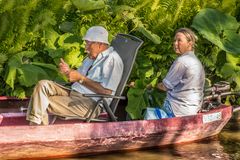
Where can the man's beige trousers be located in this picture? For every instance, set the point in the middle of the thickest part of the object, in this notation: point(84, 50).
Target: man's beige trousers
point(48, 96)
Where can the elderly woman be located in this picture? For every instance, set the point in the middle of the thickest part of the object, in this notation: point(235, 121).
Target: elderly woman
point(184, 82)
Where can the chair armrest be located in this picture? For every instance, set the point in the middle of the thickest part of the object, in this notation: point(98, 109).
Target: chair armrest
point(104, 96)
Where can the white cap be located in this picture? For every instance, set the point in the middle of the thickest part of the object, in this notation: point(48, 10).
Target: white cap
point(97, 34)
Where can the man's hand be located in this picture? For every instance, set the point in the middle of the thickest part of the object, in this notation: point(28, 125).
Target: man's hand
point(64, 67)
point(74, 76)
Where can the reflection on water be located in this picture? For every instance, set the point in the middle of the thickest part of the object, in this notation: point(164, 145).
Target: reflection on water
point(225, 147)
point(230, 137)
point(230, 140)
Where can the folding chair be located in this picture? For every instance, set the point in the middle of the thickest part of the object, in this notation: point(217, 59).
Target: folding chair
point(127, 47)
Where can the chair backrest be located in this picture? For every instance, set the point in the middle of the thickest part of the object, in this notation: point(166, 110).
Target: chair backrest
point(127, 47)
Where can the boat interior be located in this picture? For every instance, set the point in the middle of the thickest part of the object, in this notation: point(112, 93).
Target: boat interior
point(13, 112)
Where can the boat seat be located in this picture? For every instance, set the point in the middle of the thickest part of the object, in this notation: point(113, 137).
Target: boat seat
point(127, 47)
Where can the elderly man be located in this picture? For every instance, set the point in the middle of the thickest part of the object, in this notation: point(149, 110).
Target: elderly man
point(100, 73)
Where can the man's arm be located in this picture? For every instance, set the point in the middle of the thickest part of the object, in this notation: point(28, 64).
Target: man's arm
point(75, 76)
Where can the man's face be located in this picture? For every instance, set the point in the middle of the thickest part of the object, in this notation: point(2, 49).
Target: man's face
point(92, 49)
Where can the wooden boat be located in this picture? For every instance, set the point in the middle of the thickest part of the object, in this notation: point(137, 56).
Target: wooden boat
point(76, 138)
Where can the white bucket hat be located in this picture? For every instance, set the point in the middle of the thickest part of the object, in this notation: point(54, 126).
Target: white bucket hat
point(97, 34)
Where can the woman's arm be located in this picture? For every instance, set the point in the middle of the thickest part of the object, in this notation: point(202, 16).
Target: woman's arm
point(161, 86)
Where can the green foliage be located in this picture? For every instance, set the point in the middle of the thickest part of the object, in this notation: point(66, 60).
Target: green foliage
point(231, 70)
point(229, 6)
point(19, 92)
point(221, 32)
point(70, 45)
point(3, 59)
point(21, 70)
point(141, 98)
point(88, 5)
point(153, 37)
point(128, 14)
point(135, 103)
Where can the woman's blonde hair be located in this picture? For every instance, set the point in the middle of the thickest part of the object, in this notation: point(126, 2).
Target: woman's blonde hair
point(190, 35)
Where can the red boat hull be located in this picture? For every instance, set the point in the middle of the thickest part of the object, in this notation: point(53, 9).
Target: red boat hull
point(68, 138)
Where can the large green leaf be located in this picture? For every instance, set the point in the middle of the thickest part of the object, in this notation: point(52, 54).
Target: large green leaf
point(19, 92)
point(145, 68)
point(153, 37)
point(20, 58)
point(228, 70)
point(56, 54)
point(74, 58)
point(218, 28)
point(68, 40)
point(28, 74)
point(237, 80)
point(15, 62)
point(11, 76)
point(235, 60)
point(139, 99)
point(44, 65)
point(21, 69)
point(136, 103)
point(234, 77)
point(51, 37)
point(231, 69)
point(50, 69)
point(67, 27)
